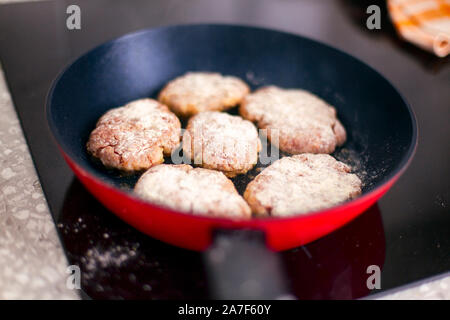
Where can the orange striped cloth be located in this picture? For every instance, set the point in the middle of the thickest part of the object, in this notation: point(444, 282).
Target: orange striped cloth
point(425, 23)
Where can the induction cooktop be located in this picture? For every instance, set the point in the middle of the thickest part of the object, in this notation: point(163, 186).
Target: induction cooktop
point(406, 234)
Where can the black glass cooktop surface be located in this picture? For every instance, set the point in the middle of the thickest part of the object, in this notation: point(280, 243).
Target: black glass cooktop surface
point(407, 233)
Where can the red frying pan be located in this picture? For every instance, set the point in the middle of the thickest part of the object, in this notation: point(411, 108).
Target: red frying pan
point(382, 132)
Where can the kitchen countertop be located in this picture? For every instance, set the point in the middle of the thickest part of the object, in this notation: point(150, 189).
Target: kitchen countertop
point(32, 262)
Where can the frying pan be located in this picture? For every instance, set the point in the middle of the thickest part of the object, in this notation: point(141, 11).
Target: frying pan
point(381, 127)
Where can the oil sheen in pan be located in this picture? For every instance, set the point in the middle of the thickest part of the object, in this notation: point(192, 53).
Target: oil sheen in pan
point(353, 153)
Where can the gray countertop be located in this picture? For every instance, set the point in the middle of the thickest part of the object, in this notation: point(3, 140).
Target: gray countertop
point(32, 262)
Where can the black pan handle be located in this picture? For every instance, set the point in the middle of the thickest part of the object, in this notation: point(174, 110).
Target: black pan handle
point(239, 266)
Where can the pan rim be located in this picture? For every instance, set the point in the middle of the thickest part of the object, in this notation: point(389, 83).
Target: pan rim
point(392, 176)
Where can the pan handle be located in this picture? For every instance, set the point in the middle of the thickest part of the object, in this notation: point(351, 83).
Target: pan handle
point(240, 267)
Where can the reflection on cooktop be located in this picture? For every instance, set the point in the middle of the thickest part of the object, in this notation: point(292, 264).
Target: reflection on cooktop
point(119, 262)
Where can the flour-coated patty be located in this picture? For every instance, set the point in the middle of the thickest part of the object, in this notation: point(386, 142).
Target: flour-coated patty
point(197, 92)
point(136, 136)
point(301, 184)
point(192, 190)
point(299, 120)
point(219, 141)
